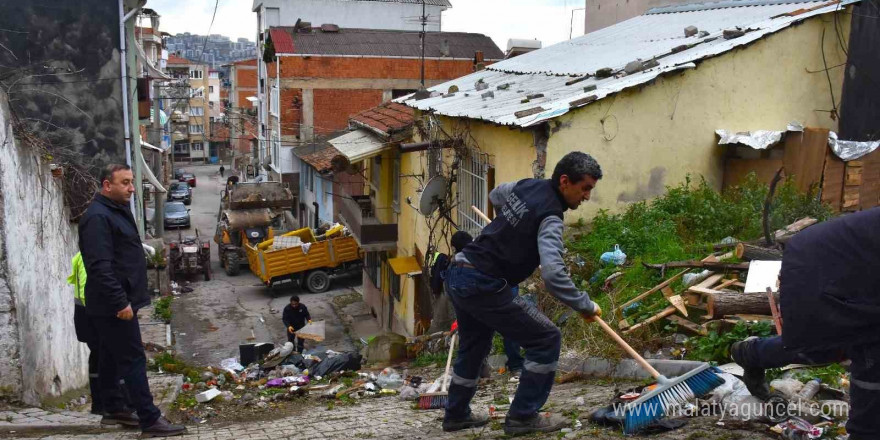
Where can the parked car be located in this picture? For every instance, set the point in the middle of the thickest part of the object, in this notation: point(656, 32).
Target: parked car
point(176, 215)
point(179, 172)
point(180, 191)
point(189, 178)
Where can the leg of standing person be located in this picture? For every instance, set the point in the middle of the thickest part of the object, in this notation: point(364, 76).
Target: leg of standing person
point(121, 343)
point(515, 359)
point(300, 344)
point(863, 423)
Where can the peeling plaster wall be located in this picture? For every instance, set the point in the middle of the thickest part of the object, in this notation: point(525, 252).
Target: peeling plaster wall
point(36, 303)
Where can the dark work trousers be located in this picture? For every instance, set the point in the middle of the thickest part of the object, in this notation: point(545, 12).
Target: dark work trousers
point(86, 333)
point(485, 305)
point(298, 343)
point(863, 422)
point(120, 344)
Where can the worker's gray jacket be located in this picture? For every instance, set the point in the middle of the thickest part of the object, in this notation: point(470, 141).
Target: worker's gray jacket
point(527, 232)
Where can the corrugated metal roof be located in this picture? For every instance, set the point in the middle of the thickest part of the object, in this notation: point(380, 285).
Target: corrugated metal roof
point(358, 145)
point(427, 2)
point(382, 43)
point(547, 83)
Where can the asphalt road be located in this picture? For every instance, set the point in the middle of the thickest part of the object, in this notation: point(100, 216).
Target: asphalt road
point(210, 322)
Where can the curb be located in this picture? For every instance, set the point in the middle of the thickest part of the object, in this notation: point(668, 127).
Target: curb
point(625, 368)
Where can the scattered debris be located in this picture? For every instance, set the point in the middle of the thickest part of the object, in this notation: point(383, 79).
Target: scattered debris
point(690, 31)
point(730, 34)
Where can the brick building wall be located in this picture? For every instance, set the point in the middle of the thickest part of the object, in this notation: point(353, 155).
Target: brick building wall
point(291, 101)
point(387, 68)
point(334, 106)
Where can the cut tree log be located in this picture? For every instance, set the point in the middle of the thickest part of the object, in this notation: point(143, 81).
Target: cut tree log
point(721, 303)
point(699, 264)
point(749, 252)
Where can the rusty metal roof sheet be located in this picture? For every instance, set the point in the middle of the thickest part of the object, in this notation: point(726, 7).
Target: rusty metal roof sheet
point(382, 43)
point(547, 83)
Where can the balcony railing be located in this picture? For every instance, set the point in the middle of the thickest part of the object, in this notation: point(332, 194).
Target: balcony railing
point(359, 215)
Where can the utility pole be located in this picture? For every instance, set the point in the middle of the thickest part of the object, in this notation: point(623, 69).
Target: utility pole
point(424, 19)
point(156, 139)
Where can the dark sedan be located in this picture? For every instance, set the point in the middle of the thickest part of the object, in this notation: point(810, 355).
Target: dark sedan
point(176, 215)
point(180, 191)
point(189, 178)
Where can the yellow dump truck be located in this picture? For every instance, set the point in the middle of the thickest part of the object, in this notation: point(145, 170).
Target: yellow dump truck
point(301, 257)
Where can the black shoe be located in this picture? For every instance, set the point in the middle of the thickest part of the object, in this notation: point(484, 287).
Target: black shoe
point(163, 428)
point(120, 418)
point(538, 423)
point(471, 421)
point(485, 371)
point(752, 377)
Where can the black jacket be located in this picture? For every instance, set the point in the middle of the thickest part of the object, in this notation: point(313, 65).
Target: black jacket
point(114, 258)
point(297, 317)
point(830, 283)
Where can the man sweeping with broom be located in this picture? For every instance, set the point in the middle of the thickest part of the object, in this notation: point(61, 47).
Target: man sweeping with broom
point(526, 233)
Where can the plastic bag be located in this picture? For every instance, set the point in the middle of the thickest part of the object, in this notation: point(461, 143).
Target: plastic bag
point(231, 365)
point(615, 257)
point(390, 378)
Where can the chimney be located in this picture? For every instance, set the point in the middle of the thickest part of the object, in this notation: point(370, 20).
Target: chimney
point(444, 48)
point(478, 61)
point(329, 28)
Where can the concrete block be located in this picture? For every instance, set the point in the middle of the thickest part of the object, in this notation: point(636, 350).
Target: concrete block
point(633, 67)
point(690, 31)
point(730, 34)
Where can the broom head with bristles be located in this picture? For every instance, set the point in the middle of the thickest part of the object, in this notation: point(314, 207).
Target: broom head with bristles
point(669, 395)
point(436, 400)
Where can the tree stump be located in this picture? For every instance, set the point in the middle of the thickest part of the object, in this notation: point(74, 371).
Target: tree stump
point(724, 303)
point(749, 252)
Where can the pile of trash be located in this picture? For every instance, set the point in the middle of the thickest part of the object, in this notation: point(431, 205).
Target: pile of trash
point(275, 374)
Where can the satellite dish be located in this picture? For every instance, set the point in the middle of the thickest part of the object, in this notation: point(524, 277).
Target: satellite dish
point(432, 195)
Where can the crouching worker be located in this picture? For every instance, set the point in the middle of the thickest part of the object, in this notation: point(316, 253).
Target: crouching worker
point(830, 295)
point(526, 233)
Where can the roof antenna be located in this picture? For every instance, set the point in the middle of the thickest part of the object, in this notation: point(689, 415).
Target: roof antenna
point(424, 19)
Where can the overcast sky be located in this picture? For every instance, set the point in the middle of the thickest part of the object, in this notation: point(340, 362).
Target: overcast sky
point(546, 20)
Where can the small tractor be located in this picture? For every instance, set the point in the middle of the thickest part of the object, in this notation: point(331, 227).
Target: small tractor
point(189, 255)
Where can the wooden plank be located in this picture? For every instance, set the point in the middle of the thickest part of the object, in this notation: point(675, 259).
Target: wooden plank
point(623, 324)
point(667, 291)
point(804, 157)
point(850, 198)
point(726, 283)
point(678, 303)
point(710, 281)
point(666, 312)
point(853, 176)
point(832, 182)
point(654, 289)
point(688, 325)
point(869, 196)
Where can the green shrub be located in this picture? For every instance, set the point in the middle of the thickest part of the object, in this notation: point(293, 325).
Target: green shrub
point(715, 347)
point(162, 309)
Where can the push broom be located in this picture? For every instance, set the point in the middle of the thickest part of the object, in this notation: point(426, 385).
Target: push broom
point(669, 393)
point(441, 398)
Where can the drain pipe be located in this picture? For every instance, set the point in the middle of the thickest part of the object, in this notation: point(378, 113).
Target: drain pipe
point(123, 58)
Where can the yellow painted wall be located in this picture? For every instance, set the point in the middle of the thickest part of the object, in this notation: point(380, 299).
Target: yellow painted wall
point(655, 136)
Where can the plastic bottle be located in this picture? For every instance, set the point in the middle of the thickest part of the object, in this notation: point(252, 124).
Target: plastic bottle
point(810, 389)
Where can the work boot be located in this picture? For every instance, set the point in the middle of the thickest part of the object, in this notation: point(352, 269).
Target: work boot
point(163, 428)
point(752, 377)
point(541, 422)
point(123, 418)
point(471, 421)
point(514, 376)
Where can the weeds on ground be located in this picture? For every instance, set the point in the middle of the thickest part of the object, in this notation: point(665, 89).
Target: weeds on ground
point(169, 363)
point(430, 359)
point(681, 225)
point(162, 309)
point(715, 347)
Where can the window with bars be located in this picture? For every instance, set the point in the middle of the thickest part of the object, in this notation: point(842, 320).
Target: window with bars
point(473, 190)
point(196, 129)
point(195, 74)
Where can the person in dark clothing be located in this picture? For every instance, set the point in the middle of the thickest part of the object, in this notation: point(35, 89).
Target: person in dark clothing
point(222, 170)
point(116, 289)
point(830, 305)
point(526, 234)
point(295, 316)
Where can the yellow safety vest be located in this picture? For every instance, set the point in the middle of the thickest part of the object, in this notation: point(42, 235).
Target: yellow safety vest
point(78, 279)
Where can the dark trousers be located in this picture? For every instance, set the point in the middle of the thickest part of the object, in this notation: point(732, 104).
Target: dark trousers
point(122, 349)
point(485, 305)
point(513, 351)
point(298, 343)
point(863, 422)
point(88, 334)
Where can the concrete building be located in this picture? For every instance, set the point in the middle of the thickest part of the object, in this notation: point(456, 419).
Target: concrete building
point(241, 114)
point(649, 123)
point(604, 13)
point(319, 77)
point(191, 111)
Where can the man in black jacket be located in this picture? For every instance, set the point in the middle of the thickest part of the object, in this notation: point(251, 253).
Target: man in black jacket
point(295, 316)
point(116, 289)
point(830, 302)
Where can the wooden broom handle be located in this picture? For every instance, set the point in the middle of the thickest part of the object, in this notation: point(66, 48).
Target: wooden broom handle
point(480, 213)
point(638, 358)
point(448, 379)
